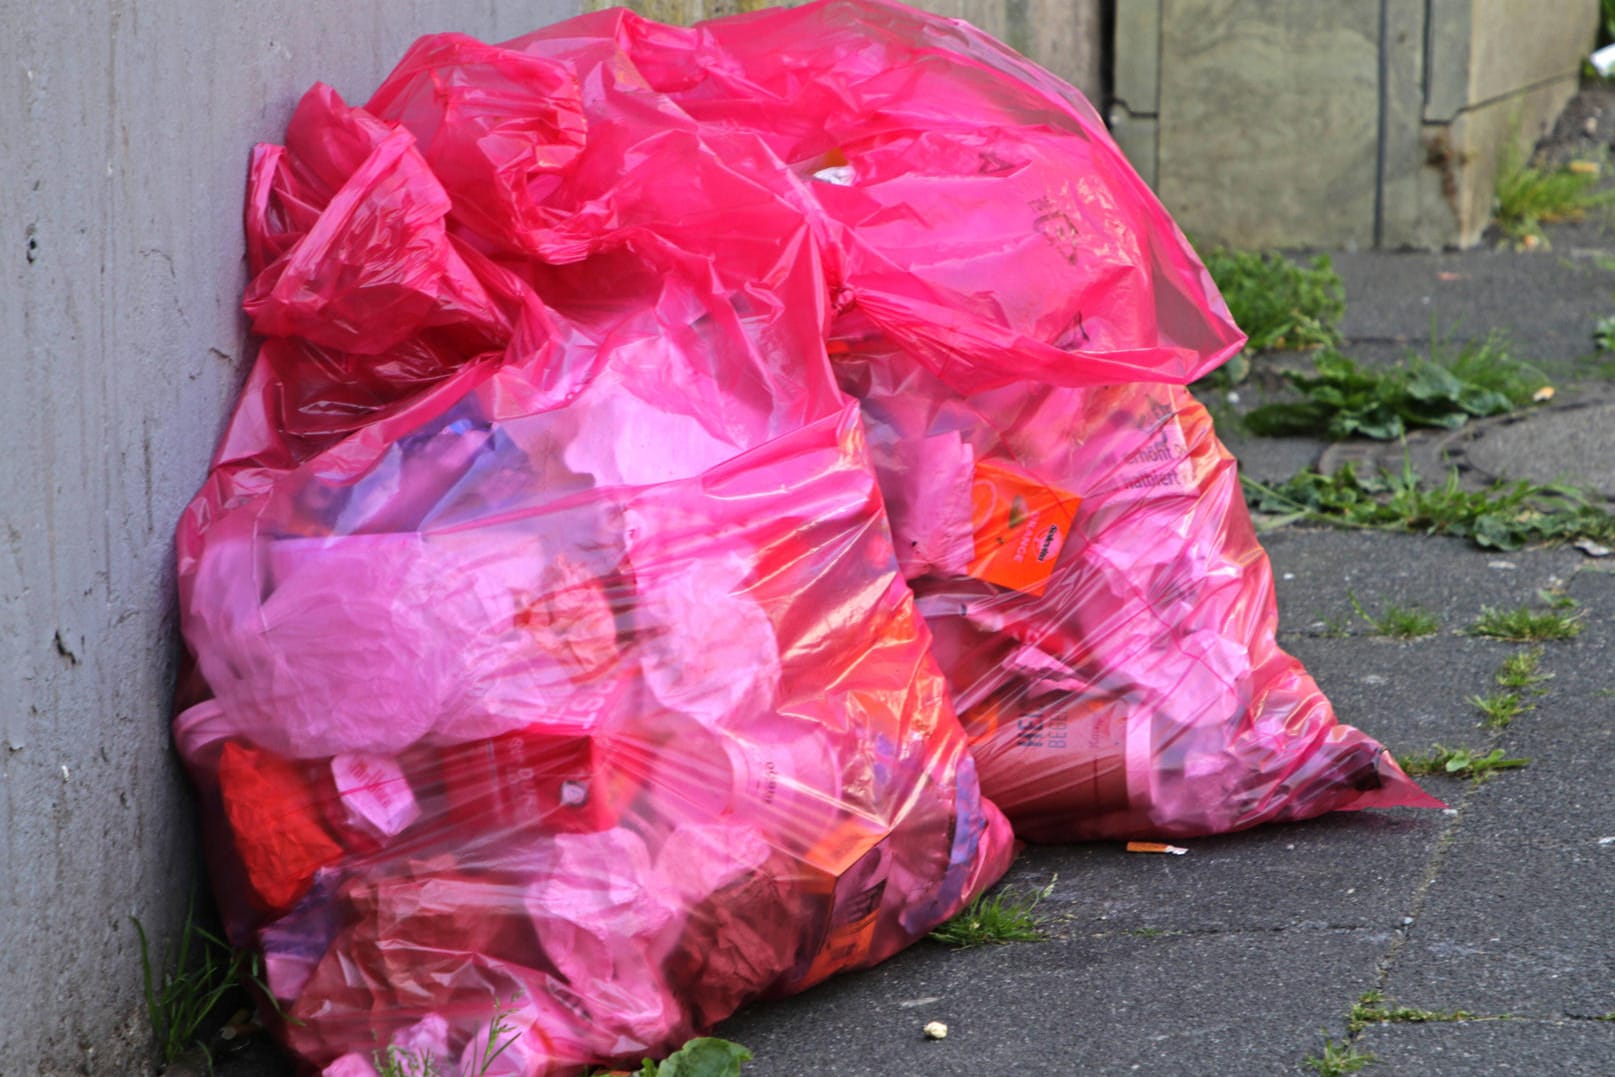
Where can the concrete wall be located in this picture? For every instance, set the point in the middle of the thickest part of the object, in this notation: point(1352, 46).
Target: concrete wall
point(1269, 123)
point(124, 134)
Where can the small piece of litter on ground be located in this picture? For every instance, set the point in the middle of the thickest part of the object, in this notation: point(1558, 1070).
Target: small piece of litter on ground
point(1451, 276)
point(1607, 841)
point(1289, 575)
point(1544, 393)
point(1505, 565)
point(910, 1003)
point(1593, 549)
point(1155, 847)
point(1583, 168)
point(936, 1030)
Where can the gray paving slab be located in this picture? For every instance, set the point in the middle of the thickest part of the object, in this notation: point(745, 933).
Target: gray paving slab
point(1513, 924)
point(1350, 870)
point(1317, 570)
point(1546, 300)
point(1519, 919)
point(1516, 1048)
point(1272, 460)
point(1248, 1003)
point(1567, 445)
point(1408, 696)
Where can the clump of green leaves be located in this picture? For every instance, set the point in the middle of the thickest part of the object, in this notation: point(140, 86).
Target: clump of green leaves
point(1398, 622)
point(1338, 1059)
point(1505, 516)
point(1007, 915)
point(1525, 625)
point(1459, 762)
point(1445, 389)
point(1530, 195)
point(1277, 303)
point(186, 984)
point(706, 1056)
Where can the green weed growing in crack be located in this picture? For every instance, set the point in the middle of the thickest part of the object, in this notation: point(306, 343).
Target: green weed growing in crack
point(1530, 195)
point(1505, 516)
point(1499, 709)
point(1458, 762)
point(1339, 1058)
point(184, 986)
point(1371, 1009)
point(1525, 625)
point(1398, 622)
point(1522, 672)
point(1006, 916)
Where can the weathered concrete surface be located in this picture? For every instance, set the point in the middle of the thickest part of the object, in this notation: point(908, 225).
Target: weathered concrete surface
point(124, 134)
point(1486, 50)
point(1268, 116)
point(1061, 35)
point(1263, 123)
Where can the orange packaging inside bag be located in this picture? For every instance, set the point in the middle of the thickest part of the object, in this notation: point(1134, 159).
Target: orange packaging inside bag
point(1020, 527)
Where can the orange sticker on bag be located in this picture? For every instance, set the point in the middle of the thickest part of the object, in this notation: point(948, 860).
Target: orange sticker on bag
point(1020, 527)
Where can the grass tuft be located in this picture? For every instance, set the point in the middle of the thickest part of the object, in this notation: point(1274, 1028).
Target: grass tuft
point(1338, 1059)
point(184, 986)
point(1370, 1009)
point(1398, 622)
point(1005, 916)
point(1529, 196)
point(1525, 625)
point(1499, 709)
point(1523, 672)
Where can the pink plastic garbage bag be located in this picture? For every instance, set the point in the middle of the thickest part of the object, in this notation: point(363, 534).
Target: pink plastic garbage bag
point(558, 681)
point(1009, 299)
point(1108, 628)
point(974, 206)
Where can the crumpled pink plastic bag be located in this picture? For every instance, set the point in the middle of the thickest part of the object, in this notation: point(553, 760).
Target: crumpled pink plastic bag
point(558, 680)
point(1010, 299)
point(973, 205)
point(1135, 689)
